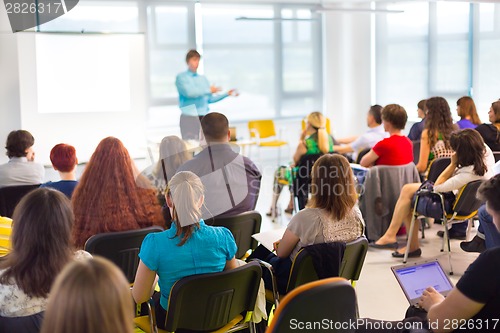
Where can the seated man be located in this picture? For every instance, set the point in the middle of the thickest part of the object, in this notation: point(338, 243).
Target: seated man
point(374, 134)
point(21, 168)
point(64, 161)
point(231, 181)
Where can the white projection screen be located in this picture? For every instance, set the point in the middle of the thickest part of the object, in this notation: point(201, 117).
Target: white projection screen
point(80, 88)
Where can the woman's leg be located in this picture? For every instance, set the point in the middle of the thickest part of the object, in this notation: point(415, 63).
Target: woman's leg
point(402, 213)
point(277, 188)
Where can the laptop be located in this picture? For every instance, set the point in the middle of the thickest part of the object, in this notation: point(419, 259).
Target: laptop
point(232, 134)
point(414, 278)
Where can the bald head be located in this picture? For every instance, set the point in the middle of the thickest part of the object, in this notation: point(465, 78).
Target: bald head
point(215, 127)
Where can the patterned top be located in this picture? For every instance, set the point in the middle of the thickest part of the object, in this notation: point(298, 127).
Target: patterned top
point(314, 226)
point(15, 303)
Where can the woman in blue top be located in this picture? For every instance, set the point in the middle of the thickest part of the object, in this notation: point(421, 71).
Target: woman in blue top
point(189, 247)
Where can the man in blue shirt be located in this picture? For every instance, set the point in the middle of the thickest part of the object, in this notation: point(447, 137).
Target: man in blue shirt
point(195, 93)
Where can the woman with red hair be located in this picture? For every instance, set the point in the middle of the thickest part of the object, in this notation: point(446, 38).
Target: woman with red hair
point(109, 197)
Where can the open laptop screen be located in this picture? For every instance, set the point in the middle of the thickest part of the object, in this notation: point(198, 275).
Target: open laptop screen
point(415, 278)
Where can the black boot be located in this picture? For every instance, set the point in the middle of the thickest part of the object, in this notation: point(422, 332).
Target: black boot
point(477, 244)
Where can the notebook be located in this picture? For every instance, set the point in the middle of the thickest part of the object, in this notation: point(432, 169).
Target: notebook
point(414, 278)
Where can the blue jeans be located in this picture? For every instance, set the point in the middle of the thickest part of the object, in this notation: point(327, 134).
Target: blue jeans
point(487, 228)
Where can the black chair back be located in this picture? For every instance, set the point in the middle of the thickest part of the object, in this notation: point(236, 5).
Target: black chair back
point(354, 258)
point(207, 302)
point(302, 270)
point(10, 197)
point(242, 226)
point(416, 151)
point(437, 167)
point(121, 247)
point(496, 155)
point(466, 202)
point(302, 178)
point(361, 154)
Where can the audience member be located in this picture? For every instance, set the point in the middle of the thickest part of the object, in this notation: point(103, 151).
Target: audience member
point(90, 296)
point(331, 215)
point(313, 140)
point(466, 110)
point(368, 139)
point(188, 247)
point(108, 196)
point(435, 140)
point(473, 160)
point(41, 247)
point(231, 181)
point(21, 168)
point(64, 161)
point(417, 128)
point(491, 132)
point(474, 303)
point(397, 149)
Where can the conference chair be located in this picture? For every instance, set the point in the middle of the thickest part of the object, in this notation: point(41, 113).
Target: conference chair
point(10, 197)
point(333, 299)
point(121, 247)
point(219, 302)
point(301, 180)
point(362, 153)
point(5, 231)
point(437, 167)
point(242, 226)
point(465, 208)
point(416, 151)
point(328, 128)
point(263, 133)
point(496, 155)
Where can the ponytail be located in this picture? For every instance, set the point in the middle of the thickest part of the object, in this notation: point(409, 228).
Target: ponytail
point(186, 191)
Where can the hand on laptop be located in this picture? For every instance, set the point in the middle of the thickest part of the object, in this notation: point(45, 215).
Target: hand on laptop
point(430, 296)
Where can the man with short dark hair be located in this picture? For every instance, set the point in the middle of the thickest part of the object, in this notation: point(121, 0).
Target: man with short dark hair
point(374, 134)
point(232, 181)
point(195, 93)
point(21, 168)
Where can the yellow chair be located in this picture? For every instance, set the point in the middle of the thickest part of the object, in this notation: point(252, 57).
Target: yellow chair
point(5, 231)
point(328, 128)
point(264, 134)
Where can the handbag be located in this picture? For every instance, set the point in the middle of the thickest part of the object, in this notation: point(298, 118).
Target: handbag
point(429, 202)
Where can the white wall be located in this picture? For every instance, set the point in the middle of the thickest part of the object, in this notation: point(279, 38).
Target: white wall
point(10, 116)
point(346, 64)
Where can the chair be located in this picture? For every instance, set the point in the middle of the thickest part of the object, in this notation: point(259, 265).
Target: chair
point(328, 128)
point(10, 197)
point(264, 133)
point(5, 231)
point(121, 247)
point(301, 180)
point(362, 153)
point(416, 151)
point(210, 302)
point(331, 298)
point(496, 155)
point(26, 324)
point(381, 191)
point(464, 209)
point(437, 167)
point(242, 226)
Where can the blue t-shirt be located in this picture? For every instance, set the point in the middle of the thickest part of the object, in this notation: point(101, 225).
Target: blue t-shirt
point(65, 186)
point(465, 123)
point(206, 251)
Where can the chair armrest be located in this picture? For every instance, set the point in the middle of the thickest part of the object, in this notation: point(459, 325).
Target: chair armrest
point(269, 267)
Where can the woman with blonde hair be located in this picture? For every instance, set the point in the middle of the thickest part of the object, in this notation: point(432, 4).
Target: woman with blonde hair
point(110, 197)
point(314, 139)
point(466, 109)
point(189, 247)
point(332, 215)
point(90, 296)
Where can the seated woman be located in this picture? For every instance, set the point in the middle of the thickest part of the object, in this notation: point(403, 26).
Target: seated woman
point(417, 128)
point(473, 160)
point(313, 140)
point(41, 247)
point(474, 303)
point(466, 110)
point(491, 132)
point(109, 197)
point(21, 168)
point(397, 149)
point(64, 161)
point(332, 215)
point(94, 292)
point(188, 247)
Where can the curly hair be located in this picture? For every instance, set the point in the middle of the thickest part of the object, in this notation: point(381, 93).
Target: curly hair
point(467, 108)
point(438, 121)
point(108, 198)
point(469, 147)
